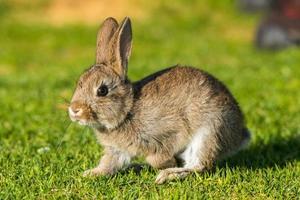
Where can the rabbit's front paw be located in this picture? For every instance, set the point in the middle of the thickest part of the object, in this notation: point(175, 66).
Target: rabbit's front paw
point(93, 172)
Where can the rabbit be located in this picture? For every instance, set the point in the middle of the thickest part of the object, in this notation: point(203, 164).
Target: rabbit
point(181, 119)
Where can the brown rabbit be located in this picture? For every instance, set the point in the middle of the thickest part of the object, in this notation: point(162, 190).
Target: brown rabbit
point(178, 114)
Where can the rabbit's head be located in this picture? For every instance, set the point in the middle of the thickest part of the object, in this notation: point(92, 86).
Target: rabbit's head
point(103, 96)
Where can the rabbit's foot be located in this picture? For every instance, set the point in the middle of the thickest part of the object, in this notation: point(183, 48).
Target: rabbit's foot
point(176, 173)
point(171, 174)
point(94, 172)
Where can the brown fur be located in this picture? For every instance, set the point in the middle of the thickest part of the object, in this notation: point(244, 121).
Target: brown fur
point(158, 117)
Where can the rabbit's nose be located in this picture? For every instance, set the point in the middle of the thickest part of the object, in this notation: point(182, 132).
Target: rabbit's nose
point(75, 111)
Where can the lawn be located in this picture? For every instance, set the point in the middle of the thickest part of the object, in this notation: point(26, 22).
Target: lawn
point(43, 154)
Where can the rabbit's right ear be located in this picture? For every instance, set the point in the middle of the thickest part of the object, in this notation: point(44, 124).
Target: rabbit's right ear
point(105, 33)
point(121, 48)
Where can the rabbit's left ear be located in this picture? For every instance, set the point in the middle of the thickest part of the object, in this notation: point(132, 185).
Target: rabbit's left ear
point(105, 34)
point(122, 47)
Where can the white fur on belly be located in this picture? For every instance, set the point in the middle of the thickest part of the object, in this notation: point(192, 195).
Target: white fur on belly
point(192, 153)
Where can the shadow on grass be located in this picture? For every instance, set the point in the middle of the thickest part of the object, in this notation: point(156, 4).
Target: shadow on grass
point(278, 152)
point(137, 168)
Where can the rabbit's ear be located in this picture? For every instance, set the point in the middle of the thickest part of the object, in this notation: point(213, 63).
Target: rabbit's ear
point(105, 34)
point(122, 47)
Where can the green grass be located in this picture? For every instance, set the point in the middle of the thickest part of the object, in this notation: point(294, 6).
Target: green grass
point(39, 65)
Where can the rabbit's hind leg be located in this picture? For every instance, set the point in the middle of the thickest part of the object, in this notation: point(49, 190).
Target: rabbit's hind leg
point(199, 155)
point(161, 161)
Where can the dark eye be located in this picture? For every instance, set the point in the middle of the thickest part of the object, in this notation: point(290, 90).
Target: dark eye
point(102, 91)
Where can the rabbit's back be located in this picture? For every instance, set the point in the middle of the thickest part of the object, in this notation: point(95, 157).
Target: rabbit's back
point(176, 102)
point(183, 89)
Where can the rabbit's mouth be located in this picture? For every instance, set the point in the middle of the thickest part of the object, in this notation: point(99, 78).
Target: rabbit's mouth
point(93, 123)
point(83, 122)
point(86, 116)
point(81, 116)
point(79, 121)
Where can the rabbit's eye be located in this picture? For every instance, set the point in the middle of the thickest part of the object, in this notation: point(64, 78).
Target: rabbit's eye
point(102, 91)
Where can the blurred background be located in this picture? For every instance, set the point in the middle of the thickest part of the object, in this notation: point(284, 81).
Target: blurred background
point(280, 25)
point(57, 37)
point(252, 46)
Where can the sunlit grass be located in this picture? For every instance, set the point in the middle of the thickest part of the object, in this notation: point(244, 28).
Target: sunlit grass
point(39, 65)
